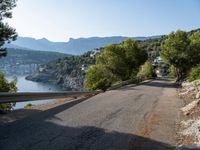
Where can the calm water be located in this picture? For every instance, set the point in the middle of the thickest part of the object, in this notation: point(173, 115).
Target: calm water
point(24, 85)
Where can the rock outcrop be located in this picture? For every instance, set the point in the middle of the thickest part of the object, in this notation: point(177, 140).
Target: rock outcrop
point(191, 91)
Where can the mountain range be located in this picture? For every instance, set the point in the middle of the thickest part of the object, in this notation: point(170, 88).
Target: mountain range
point(73, 46)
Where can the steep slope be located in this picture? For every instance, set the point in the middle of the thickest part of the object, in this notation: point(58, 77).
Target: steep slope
point(67, 72)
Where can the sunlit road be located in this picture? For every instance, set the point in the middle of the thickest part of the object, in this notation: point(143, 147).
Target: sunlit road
point(133, 117)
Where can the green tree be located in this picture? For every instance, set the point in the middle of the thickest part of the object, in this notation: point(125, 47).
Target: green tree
point(113, 58)
point(7, 33)
point(135, 56)
point(175, 52)
point(118, 62)
point(6, 86)
point(195, 74)
point(98, 77)
point(123, 59)
point(181, 51)
point(146, 71)
point(194, 50)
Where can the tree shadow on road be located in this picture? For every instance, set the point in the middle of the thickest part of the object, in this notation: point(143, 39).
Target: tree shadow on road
point(47, 132)
point(161, 84)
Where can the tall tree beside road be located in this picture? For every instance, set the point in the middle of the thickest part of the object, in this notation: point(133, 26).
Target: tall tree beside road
point(117, 62)
point(7, 33)
point(181, 51)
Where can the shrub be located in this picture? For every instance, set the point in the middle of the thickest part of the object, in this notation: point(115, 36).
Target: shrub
point(98, 77)
point(146, 71)
point(28, 105)
point(134, 75)
point(172, 72)
point(195, 74)
point(6, 86)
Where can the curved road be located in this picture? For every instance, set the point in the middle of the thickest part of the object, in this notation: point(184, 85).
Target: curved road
point(133, 117)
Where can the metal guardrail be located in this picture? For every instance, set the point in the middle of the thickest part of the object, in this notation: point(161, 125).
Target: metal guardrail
point(6, 97)
point(30, 96)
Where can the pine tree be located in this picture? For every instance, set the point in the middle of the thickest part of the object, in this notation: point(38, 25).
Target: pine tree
point(7, 33)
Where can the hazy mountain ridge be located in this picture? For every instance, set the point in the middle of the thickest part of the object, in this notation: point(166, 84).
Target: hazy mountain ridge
point(73, 46)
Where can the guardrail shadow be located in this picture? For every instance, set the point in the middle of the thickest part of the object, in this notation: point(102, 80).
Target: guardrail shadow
point(27, 114)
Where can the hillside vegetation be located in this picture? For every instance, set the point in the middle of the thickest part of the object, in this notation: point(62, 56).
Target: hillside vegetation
point(117, 58)
point(23, 62)
point(116, 63)
point(66, 72)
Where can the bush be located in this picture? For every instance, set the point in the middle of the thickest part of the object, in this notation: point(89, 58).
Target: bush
point(172, 72)
point(98, 77)
point(195, 74)
point(134, 75)
point(28, 105)
point(6, 86)
point(146, 71)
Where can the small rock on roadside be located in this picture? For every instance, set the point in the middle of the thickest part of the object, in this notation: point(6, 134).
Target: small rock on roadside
point(198, 95)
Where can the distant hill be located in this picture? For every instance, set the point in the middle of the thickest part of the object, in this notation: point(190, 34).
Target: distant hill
point(73, 46)
point(23, 62)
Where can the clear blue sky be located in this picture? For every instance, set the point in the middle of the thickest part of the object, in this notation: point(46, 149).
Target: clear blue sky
point(58, 20)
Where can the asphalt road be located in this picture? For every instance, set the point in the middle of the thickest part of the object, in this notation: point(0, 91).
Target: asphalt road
point(133, 117)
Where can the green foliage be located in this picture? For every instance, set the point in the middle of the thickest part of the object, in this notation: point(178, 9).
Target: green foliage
point(28, 105)
point(146, 71)
point(181, 51)
point(98, 77)
point(133, 76)
point(6, 86)
point(7, 33)
point(113, 58)
point(123, 59)
point(172, 72)
point(118, 62)
point(135, 56)
point(195, 74)
point(194, 51)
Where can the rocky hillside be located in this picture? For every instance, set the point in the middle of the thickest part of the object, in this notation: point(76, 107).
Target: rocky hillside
point(23, 62)
point(67, 72)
